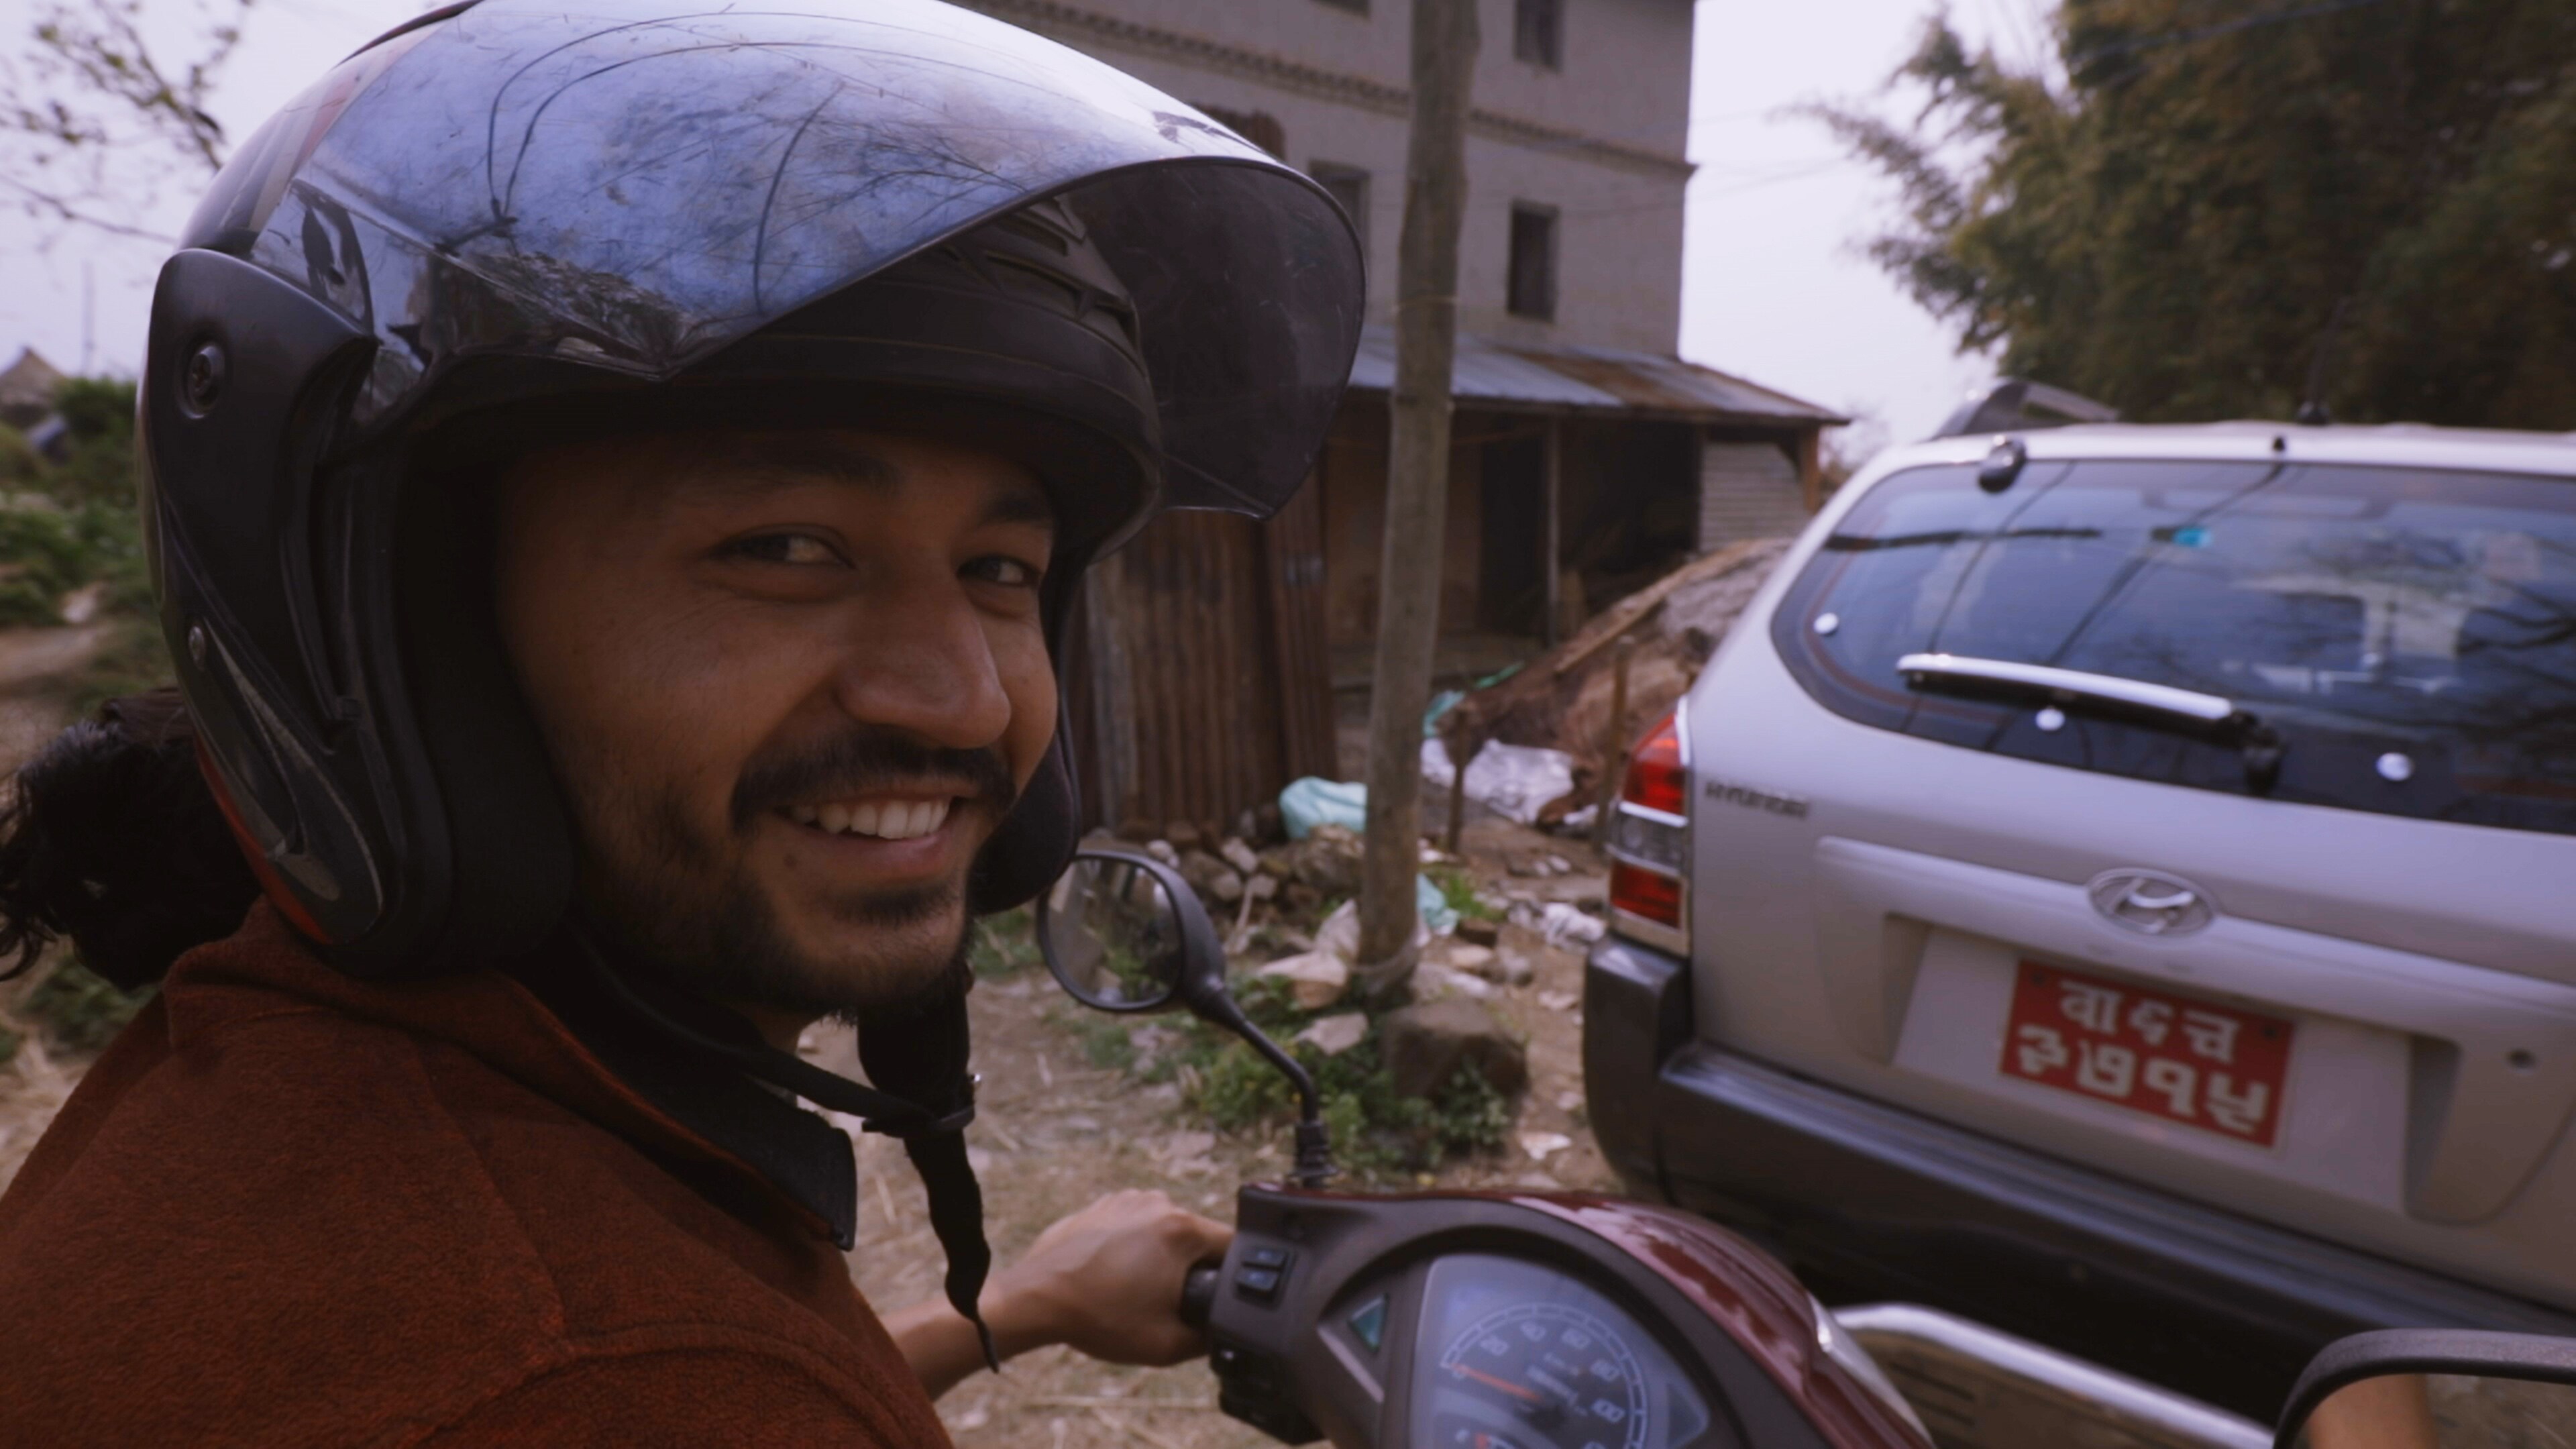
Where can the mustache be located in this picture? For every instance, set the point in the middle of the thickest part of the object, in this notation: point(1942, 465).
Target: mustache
point(868, 758)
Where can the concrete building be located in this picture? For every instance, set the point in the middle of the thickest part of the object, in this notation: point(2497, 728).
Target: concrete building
point(1589, 458)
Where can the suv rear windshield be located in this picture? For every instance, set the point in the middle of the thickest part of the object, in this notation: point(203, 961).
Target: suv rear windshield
point(2408, 635)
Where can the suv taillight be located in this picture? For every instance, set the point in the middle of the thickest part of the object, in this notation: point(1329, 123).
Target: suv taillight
point(1650, 840)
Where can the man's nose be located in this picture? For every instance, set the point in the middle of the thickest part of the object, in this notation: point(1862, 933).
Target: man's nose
point(920, 662)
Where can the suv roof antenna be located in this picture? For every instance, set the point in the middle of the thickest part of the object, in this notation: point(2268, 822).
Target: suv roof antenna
point(2313, 412)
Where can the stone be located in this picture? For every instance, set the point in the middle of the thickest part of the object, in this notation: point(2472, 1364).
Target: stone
point(1261, 887)
point(1210, 877)
point(1477, 932)
point(1316, 979)
point(1183, 834)
point(1137, 832)
point(1424, 1045)
point(1513, 968)
point(1162, 850)
point(1334, 1035)
point(1239, 855)
point(1329, 860)
point(1431, 981)
point(1474, 960)
point(1559, 1001)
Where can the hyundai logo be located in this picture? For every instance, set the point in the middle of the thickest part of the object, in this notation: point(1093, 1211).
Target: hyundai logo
point(2150, 902)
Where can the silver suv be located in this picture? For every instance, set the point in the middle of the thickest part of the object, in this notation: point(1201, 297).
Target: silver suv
point(2119, 884)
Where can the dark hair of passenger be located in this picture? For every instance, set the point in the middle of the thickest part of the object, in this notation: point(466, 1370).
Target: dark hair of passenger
point(109, 837)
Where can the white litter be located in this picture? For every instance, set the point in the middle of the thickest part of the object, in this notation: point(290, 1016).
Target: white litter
point(1560, 923)
point(1542, 1145)
point(1316, 979)
point(1334, 1035)
point(1513, 781)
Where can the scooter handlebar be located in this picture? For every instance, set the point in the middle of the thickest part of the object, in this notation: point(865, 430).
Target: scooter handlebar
point(1198, 1294)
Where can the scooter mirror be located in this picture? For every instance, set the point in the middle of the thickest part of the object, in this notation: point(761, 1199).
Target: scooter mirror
point(2435, 1388)
point(1122, 931)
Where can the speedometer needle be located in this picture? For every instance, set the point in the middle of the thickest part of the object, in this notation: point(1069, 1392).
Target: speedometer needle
point(1517, 1391)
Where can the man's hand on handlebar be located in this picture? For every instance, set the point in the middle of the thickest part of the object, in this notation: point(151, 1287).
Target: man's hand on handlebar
point(1105, 1282)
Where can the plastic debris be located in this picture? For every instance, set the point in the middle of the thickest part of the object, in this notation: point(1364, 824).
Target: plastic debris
point(1334, 1035)
point(1316, 979)
point(1542, 1145)
point(1560, 923)
point(1513, 781)
point(1314, 800)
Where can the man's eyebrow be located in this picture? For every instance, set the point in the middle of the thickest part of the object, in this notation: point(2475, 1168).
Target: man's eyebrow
point(768, 464)
point(1021, 505)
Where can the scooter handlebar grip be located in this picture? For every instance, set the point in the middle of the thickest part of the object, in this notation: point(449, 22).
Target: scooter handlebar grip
point(1198, 1294)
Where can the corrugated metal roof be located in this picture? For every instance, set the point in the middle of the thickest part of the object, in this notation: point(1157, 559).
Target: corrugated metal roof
point(1553, 377)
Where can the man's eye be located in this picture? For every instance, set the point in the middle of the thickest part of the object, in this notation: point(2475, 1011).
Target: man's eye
point(786, 548)
point(1009, 572)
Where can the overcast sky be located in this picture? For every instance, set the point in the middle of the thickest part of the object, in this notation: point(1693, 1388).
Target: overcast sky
point(1773, 288)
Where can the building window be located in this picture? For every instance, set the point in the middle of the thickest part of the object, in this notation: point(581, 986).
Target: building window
point(1538, 32)
point(1348, 185)
point(1532, 284)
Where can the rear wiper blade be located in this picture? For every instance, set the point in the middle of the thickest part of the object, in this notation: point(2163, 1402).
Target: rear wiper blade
point(2162, 706)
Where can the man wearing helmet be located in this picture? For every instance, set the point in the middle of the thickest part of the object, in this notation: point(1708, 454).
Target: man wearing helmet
point(616, 483)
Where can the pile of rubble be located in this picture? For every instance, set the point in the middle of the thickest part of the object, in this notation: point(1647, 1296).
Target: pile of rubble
point(1437, 1017)
point(1564, 699)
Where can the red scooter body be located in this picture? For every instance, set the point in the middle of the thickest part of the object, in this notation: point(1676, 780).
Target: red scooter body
point(1486, 1320)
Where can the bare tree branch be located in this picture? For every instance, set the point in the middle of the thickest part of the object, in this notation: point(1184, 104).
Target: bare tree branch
point(95, 121)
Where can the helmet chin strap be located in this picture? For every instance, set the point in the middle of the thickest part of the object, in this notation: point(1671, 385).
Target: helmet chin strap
point(921, 1055)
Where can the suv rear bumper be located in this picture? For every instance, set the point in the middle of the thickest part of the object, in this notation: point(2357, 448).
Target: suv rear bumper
point(1869, 1201)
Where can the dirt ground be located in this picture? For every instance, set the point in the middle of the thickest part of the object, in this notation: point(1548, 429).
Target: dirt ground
point(1055, 1132)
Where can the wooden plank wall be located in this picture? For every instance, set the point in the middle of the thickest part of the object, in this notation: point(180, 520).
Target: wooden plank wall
point(1199, 678)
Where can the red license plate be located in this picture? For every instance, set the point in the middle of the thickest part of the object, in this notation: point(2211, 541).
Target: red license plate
point(2212, 1067)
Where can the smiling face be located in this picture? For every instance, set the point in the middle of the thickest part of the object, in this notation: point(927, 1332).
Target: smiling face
point(791, 683)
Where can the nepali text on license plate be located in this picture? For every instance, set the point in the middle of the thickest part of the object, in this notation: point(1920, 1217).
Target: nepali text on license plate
point(2212, 1067)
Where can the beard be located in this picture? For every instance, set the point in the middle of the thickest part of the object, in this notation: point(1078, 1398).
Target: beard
point(682, 900)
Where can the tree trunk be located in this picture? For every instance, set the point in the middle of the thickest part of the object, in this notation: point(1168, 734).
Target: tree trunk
point(1417, 485)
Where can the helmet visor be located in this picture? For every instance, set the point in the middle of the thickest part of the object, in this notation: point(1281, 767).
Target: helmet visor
point(631, 185)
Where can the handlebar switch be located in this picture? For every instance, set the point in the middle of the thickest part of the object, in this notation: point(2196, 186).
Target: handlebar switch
point(1263, 1270)
point(1251, 1388)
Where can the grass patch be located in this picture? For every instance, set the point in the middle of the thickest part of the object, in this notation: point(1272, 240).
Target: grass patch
point(1377, 1133)
point(69, 524)
point(1458, 889)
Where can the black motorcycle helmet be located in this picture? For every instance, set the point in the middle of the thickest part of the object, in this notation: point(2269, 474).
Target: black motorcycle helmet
point(511, 223)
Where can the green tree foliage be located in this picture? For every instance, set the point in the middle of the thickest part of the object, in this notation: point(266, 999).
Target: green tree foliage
point(2176, 219)
point(75, 522)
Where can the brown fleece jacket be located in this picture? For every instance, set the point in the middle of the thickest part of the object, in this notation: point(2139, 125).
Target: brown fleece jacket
point(289, 1208)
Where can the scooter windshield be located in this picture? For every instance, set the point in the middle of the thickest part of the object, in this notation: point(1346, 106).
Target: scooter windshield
point(633, 184)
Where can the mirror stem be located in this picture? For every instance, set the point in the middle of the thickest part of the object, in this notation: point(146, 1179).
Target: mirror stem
point(1314, 1140)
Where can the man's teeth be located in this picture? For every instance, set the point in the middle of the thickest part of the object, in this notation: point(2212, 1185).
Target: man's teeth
point(884, 819)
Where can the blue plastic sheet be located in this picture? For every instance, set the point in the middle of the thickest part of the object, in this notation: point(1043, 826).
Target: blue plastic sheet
point(1315, 801)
